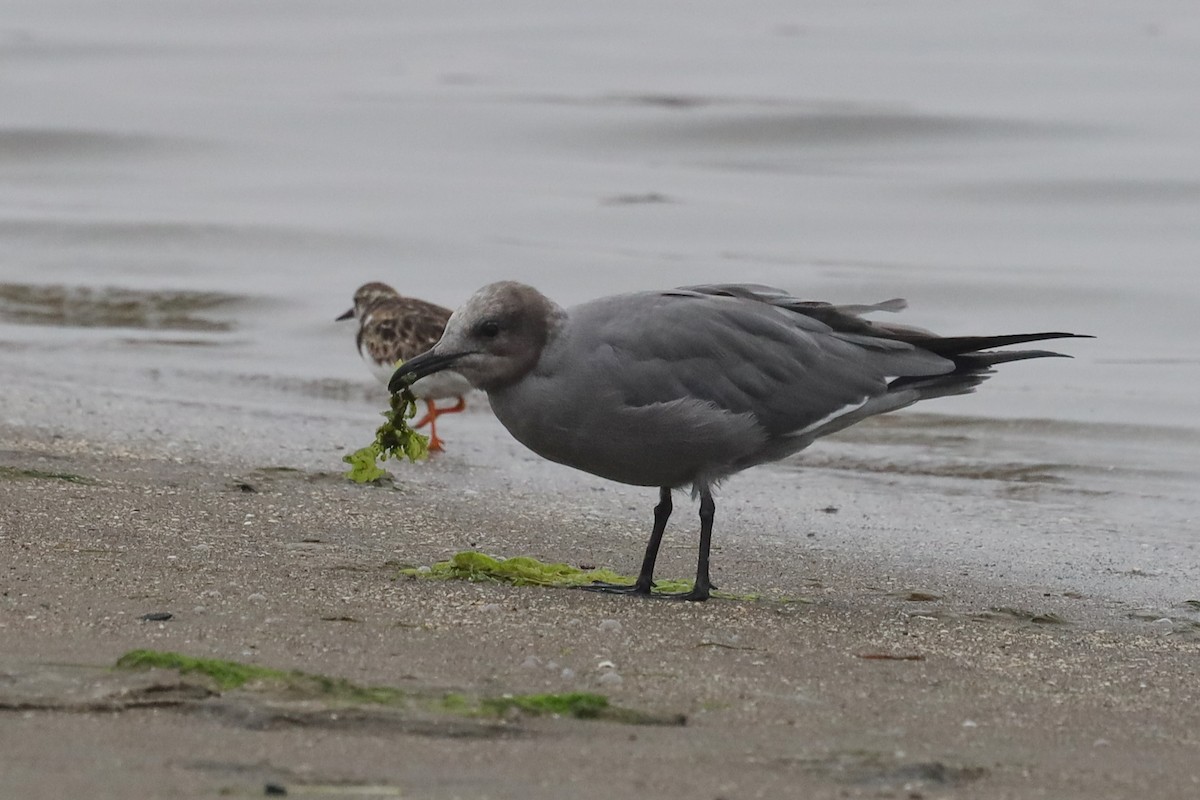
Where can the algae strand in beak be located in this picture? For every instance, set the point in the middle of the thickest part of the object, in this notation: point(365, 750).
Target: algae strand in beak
point(393, 439)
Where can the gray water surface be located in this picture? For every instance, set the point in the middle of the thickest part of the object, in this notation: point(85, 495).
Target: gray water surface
point(190, 193)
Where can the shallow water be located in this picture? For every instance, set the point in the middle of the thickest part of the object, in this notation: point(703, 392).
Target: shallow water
point(190, 194)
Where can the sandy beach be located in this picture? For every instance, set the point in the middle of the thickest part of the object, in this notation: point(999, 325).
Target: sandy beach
point(846, 679)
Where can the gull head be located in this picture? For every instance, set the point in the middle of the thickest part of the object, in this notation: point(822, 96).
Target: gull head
point(493, 340)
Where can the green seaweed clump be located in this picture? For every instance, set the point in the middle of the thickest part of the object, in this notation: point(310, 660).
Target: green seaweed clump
point(581, 705)
point(234, 675)
point(338, 692)
point(470, 565)
point(226, 674)
point(343, 691)
point(393, 439)
point(38, 474)
point(456, 703)
point(578, 705)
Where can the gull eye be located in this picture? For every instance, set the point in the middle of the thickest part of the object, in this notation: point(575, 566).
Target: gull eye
point(489, 329)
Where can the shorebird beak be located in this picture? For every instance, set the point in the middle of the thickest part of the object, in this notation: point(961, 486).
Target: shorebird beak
point(416, 368)
point(347, 315)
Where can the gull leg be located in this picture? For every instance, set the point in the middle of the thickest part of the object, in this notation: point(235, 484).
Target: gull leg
point(645, 580)
point(702, 589)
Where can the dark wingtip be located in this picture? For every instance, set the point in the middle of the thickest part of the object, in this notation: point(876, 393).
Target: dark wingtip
point(953, 346)
point(992, 358)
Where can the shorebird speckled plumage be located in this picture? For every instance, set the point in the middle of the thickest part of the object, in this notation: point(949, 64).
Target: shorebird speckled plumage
point(394, 328)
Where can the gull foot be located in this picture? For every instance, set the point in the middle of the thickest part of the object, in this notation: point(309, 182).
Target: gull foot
point(696, 595)
point(617, 588)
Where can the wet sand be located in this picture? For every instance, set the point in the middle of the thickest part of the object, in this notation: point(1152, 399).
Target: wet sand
point(850, 678)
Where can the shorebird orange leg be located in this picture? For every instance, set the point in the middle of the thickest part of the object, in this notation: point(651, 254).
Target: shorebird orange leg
point(430, 419)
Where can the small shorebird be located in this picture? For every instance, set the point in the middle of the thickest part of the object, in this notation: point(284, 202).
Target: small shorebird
point(393, 328)
point(689, 386)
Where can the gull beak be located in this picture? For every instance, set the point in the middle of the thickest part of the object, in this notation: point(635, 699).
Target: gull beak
point(416, 368)
point(347, 315)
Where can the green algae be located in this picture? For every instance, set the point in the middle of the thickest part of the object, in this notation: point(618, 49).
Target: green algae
point(364, 464)
point(228, 675)
point(471, 565)
point(235, 675)
point(343, 691)
point(575, 705)
point(393, 439)
point(456, 703)
point(581, 705)
point(17, 473)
